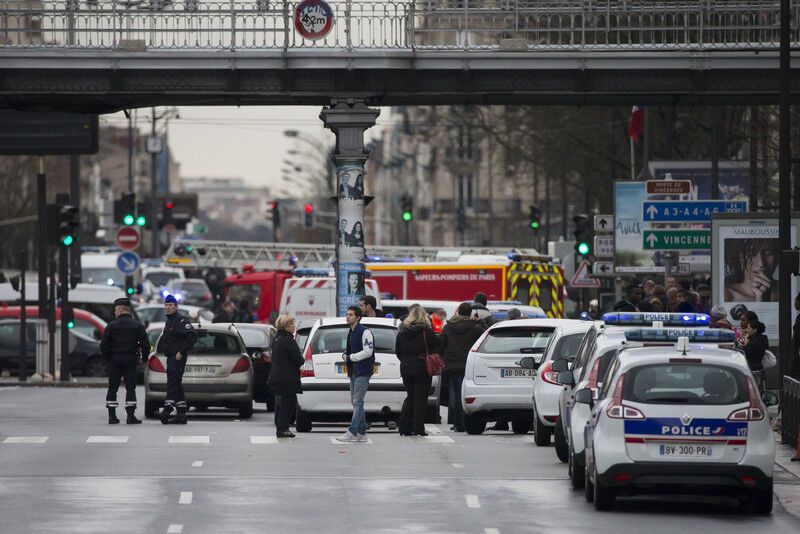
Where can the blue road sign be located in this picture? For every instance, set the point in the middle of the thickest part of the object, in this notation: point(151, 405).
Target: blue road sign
point(128, 262)
point(689, 210)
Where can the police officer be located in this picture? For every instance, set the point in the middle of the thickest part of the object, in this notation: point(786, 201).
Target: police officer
point(124, 342)
point(176, 340)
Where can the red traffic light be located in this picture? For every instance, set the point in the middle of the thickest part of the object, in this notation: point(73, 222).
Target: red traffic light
point(273, 205)
point(308, 207)
point(170, 205)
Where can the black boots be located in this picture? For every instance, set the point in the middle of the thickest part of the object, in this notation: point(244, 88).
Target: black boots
point(168, 419)
point(165, 412)
point(180, 419)
point(132, 420)
point(112, 416)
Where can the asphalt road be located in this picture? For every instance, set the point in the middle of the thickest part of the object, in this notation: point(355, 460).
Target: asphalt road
point(65, 470)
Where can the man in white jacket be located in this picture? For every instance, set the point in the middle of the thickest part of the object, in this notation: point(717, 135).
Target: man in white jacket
point(360, 357)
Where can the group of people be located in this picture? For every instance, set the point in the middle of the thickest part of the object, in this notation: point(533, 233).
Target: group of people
point(229, 312)
point(679, 296)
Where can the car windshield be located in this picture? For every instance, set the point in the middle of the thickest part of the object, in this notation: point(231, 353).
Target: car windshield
point(255, 337)
point(567, 347)
point(156, 315)
point(685, 384)
point(251, 293)
point(102, 275)
point(518, 340)
point(161, 278)
point(334, 339)
point(216, 343)
point(189, 285)
point(85, 327)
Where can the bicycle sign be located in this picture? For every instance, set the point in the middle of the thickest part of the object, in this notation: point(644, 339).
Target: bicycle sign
point(313, 19)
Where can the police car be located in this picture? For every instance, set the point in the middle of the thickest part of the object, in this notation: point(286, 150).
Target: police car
point(684, 418)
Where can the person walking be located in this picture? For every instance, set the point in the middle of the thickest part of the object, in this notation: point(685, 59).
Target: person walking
point(176, 340)
point(360, 358)
point(124, 342)
point(415, 339)
point(719, 318)
point(757, 345)
point(284, 377)
point(226, 313)
point(458, 336)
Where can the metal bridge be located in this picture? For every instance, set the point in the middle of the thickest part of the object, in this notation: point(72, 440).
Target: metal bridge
point(104, 55)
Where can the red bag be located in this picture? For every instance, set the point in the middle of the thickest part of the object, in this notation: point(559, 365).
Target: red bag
point(433, 362)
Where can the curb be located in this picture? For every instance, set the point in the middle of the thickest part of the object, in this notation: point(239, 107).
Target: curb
point(56, 384)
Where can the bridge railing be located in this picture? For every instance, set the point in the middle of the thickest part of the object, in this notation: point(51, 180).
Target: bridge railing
point(469, 25)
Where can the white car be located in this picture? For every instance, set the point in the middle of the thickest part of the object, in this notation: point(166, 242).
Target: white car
point(154, 313)
point(495, 385)
point(326, 387)
point(563, 345)
point(682, 418)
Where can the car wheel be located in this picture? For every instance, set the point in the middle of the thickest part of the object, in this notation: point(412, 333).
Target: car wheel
point(762, 499)
point(560, 442)
point(246, 410)
point(588, 487)
point(576, 472)
point(433, 415)
point(96, 367)
point(302, 421)
point(474, 424)
point(541, 433)
point(270, 402)
point(520, 427)
point(151, 409)
point(603, 496)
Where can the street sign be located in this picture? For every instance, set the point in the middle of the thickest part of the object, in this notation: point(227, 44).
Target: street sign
point(604, 246)
point(669, 187)
point(582, 278)
point(682, 239)
point(154, 144)
point(603, 268)
point(603, 223)
point(128, 238)
point(689, 211)
point(313, 19)
point(128, 262)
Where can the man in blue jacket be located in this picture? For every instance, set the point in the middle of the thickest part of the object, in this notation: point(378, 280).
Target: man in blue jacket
point(360, 357)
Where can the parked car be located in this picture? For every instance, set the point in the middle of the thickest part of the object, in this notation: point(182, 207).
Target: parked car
point(149, 313)
point(193, 291)
point(258, 342)
point(86, 322)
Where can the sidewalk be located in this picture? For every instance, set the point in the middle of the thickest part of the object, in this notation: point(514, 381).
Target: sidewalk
point(79, 382)
point(787, 478)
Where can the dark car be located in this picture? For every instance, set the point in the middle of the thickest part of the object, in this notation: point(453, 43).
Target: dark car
point(258, 341)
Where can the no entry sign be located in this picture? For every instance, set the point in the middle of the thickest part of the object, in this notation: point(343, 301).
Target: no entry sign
point(128, 238)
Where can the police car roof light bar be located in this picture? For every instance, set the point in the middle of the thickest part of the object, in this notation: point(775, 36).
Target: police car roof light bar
point(668, 319)
point(692, 335)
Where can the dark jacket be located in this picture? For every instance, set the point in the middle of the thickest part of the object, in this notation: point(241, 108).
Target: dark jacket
point(685, 307)
point(125, 340)
point(178, 336)
point(223, 316)
point(410, 345)
point(794, 360)
point(754, 351)
point(284, 377)
point(356, 344)
point(458, 336)
point(242, 316)
point(625, 305)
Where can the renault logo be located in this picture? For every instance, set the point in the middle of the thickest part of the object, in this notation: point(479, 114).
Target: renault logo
point(686, 419)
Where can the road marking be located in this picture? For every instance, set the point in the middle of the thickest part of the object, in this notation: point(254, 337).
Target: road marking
point(432, 429)
point(175, 529)
point(197, 464)
point(8, 388)
point(335, 442)
point(254, 440)
point(188, 439)
point(26, 439)
point(185, 498)
point(491, 531)
point(107, 439)
point(472, 501)
point(433, 439)
point(458, 466)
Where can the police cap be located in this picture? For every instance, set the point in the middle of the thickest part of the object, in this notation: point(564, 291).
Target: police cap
point(123, 302)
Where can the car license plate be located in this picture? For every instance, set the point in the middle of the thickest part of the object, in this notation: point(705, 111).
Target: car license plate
point(341, 368)
point(201, 370)
point(515, 372)
point(678, 449)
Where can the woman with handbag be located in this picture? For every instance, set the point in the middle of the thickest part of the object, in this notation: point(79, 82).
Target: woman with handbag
point(414, 342)
point(284, 377)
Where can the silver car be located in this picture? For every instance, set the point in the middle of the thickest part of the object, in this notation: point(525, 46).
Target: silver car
point(218, 373)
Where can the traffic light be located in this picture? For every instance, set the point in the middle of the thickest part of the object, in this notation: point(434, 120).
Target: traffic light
point(583, 235)
point(308, 208)
point(125, 209)
point(535, 218)
point(166, 212)
point(141, 214)
point(67, 316)
point(129, 289)
point(407, 208)
point(274, 212)
point(68, 225)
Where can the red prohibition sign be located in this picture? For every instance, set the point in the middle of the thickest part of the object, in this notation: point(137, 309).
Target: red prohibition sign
point(313, 19)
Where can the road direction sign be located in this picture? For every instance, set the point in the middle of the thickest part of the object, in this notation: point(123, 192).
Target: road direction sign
point(128, 262)
point(669, 187)
point(603, 268)
point(683, 239)
point(603, 223)
point(604, 246)
point(689, 211)
point(128, 238)
point(582, 278)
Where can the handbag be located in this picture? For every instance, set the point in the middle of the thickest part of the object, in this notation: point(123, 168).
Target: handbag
point(768, 360)
point(433, 362)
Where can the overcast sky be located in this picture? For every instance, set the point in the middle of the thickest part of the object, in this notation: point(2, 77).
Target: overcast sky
point(246, 142)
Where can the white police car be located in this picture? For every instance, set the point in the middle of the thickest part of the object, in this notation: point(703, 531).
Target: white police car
point(680, 419)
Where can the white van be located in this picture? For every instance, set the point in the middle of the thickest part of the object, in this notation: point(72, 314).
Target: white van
point(101, 268)
point(312, 298)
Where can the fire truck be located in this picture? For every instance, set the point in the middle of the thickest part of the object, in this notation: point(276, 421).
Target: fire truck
point(401, 272)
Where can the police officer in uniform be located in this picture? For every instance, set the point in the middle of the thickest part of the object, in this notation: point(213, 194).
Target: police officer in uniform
point(124, 343)
point(176, 340)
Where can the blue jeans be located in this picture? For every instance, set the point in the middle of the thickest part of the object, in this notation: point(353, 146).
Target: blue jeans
point(358, 389)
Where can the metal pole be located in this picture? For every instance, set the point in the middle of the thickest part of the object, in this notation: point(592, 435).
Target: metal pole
point(715, 154)
point(23, 338)
point(51, 317)
point(753, 133)
point(63, 278)
point(75, 200)
point(645, 174)
point(130, 153)
point(784, 199)
point(41, 237)
point(547, 206)
point(152, 213)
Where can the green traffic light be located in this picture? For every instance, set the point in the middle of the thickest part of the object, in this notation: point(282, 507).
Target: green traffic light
point(129, 291)
point(70, 324)
point(535, 225)
point(407, 216)
point(583, 248)
point(140, 220)
point(189, 248)
point(67, 240)
point(128, 220)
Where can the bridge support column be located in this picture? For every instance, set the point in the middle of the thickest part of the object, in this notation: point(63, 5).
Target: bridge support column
point(348, 120)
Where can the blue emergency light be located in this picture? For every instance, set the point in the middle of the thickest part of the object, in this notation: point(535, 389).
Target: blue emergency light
point(695, 335)
point(645, 318)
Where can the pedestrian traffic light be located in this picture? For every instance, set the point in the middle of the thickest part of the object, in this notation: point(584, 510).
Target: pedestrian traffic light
point(125, 209)
point(583, 235)
point(407, 208)
point(129, 289)
point(308, 208)
point(274, 213)
point(68, 225)
point(535, 218)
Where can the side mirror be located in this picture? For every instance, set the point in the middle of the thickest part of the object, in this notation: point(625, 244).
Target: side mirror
point(527, 363)
point(584, 396)
point(560, 366)
point(770, 399)
point(565, 378)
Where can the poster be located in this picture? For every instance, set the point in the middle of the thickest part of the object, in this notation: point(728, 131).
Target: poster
point(629, 255)
point(350, 246)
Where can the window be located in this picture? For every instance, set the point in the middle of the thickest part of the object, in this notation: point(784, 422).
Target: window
point(608, 379)
point(159, 279)
point(255, 337)
point(465, 190)
point(215, 343)
point(606, 355)
point(584, 353)
point(85, 327)
point(301, 337)
point(685, 384)
point(545, 294)
point(567, 347)
point(249, 292)
point(333, 339)
point(530, 340)
point(524, 290)
point(105, 276)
